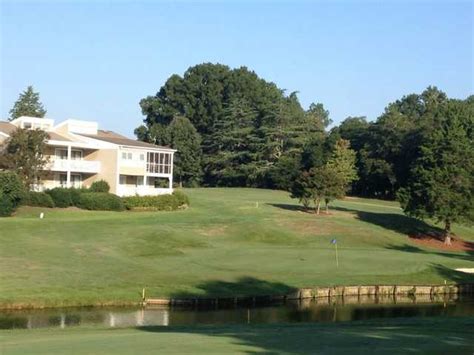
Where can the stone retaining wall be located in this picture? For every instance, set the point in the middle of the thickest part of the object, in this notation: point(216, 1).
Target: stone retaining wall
point(427, 292)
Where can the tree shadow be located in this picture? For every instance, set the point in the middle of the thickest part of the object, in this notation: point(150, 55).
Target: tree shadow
point(414, 249)
point(453, 275)
point(387, 336)
point(243, 287)
point(289, 207)
point(395, 222)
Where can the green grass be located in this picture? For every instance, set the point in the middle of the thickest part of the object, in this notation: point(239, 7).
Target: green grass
point(222, 245)
point(396, 336)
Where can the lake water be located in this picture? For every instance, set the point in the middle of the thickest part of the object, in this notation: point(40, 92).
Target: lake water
point(321, 310)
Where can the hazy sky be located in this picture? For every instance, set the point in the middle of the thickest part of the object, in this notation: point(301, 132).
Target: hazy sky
point(95, 60)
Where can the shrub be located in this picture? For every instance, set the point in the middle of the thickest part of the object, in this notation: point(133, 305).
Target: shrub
point(76, 195)
point(100, 186)
point(100, 201)
point(12, 191)
point(181, 198)
point(6, 207)
point(157, 203)
point(39, 199)
point(61, 196)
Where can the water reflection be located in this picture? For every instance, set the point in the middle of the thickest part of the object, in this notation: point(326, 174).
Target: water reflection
point(320, 310)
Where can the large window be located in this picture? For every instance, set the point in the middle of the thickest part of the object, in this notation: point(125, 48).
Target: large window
point(158, 163)
point(62, 154)
point(76, 180)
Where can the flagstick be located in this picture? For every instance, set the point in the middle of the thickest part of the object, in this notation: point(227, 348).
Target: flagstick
point(337, 257)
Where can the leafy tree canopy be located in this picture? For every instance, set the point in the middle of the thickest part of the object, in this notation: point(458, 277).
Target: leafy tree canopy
point(441, 180)
point(23, 153)
point(247, 125)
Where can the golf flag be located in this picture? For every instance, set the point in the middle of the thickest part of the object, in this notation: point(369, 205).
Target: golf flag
point(334, 241)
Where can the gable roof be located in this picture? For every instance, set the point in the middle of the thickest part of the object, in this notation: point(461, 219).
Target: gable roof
point(115, 138)
point(8, 128)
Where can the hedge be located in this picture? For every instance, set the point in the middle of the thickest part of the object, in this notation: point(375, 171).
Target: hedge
point(39, 199)
point(12, 191)
point(157, 203)
point(100, 201)
point(61, 196)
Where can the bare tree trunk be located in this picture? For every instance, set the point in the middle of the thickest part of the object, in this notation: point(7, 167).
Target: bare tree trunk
point(327, 206)
point(319, 207)
point(447, 232)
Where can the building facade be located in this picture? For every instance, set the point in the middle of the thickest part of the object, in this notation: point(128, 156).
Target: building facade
point(79, 153)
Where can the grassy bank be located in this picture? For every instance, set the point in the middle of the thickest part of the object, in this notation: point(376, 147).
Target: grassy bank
point(224, 244)
point(431, 336)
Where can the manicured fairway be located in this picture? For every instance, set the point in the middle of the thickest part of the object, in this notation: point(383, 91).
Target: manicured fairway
point(429, 336)
point(224, 244)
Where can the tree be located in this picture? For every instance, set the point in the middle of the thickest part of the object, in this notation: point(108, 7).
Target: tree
point(184, 137)
point(342, 161)
point(23, 153)
point(327, 185)
point(247, 125)
point(302, 189)
point(326, 181)
point(441, 181)
point(28, 104)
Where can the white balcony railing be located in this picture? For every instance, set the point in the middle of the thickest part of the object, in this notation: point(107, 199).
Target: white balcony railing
point(82, 166)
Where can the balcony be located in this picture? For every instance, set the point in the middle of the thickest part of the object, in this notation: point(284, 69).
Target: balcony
point(82, 166)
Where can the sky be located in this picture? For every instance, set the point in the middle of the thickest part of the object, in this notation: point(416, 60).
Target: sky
point(95, 60)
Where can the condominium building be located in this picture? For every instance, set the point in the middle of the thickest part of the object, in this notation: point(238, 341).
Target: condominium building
point(79, 153)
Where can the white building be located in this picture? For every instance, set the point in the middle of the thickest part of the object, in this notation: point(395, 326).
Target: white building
point(79, 154)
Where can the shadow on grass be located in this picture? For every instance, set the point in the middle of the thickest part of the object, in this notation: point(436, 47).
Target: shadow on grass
point(393, 221)
point(414, 249)
point(244, 286)
point(285, 206)
point(387, 336)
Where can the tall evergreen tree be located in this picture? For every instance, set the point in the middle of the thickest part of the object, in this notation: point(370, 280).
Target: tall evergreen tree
point(441, 181)
point(28, 104)
point(184, 137)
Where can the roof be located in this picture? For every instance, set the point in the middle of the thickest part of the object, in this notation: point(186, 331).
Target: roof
point(115, 138)
point(58, 137)
point(8, 128)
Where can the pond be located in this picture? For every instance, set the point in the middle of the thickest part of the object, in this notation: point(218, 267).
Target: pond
point(321, 310)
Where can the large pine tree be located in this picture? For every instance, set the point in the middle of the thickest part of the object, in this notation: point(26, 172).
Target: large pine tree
point(28, 104)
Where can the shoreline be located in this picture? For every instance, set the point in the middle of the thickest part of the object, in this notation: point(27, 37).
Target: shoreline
point(433, 292)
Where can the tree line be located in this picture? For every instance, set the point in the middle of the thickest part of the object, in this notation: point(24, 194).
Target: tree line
point(232, 128)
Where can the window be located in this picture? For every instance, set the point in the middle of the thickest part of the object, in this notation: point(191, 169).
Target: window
point(61, 154)
point(139, 181)
point(76, 154)
point(159, 163)
point(124, 155)
point(142, 157)
point(123, 180)
point(76, 180)
point(26, 125)
point(63, 180)
point(129, 156)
